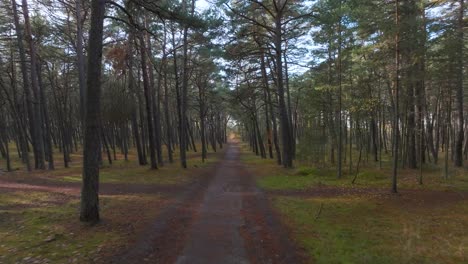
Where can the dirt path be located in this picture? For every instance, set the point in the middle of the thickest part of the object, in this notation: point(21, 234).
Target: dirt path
point(72, 188)
point(214, 236)
point(224, 219)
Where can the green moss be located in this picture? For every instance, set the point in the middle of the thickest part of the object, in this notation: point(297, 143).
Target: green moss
point(42, 234)
point(363, 230)
point(369, 228)
point(35, 228)
point(122, 171)
point(305, 171)
point(279, 182)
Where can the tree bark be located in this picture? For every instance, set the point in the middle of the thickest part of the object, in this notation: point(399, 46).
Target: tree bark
point(26, 83)
point(271, 109)
point(38, 133)
point(155, 92)
point(149, 112)
point(184, 95)
point(80, 59)
point(460, 92)
point(89, 211)
point(397, 94)
point(284, 119)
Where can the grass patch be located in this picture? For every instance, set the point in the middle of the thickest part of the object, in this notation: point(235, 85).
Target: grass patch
point(288, 182)
point(35, 227)
point(362, 230)
point(427, 224)
point(121, 171)
point(271, 176)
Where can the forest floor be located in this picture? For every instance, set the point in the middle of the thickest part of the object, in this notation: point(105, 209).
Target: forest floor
point(39, 210)
point(211, 213)
point(234, 208)
point(335, 221)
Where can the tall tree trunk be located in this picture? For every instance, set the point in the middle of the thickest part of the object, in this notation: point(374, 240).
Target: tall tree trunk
point(202, 115)
point(460, 93)
point(89, 211)
point(26, 85)
point(290, 116)
point(38, 133)
point(19, 116)
point(397, 94)
point(155, 92)
point(259, 137)
point(340, 122)
point(131, 88)
point(166, 113)
point(45, 114)
point(184, 94)
point(284, 121)
point(271, 109)
point(181, 130)
point(147, 92)
point(267, 123)
point(80, 59)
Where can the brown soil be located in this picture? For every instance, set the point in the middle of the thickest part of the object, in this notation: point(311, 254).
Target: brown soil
point(74, 188)
point(405, 198)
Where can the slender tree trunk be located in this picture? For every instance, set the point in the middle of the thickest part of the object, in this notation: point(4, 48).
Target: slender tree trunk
point(4, 146)
point(131, 88)
point(155, 101)
point(80, 59)
point(350, 145)
point(38, 133)
point(166, 113)
point(340, 88)
point(149, 112)
point(397, 94)
point(268, 128)
point(184, 95)
point(284, 124)
point(447, 136)
point(106, 145)
point(202, 115)
point(16, 109)
point(290, 116)
point(271, 109)
point(26, 85)
point(460, 92)
point(259, 137)
point(190, 135)
point(47, 130)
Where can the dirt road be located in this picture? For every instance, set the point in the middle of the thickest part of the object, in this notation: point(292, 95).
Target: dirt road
point(224, 219)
